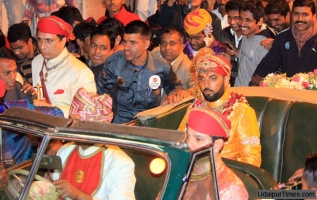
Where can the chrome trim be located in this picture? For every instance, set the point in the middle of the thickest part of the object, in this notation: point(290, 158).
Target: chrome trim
point(186, 178)
point(35, 167)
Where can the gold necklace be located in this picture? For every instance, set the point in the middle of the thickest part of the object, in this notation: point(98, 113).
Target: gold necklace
point(218, 108)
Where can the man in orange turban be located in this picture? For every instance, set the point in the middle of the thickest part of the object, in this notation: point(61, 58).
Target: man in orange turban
point(198, 26)
point(55, 70)
point(211, 75)
point(198, 136)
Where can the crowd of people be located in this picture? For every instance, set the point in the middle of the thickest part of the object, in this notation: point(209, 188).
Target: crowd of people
point(112, 68)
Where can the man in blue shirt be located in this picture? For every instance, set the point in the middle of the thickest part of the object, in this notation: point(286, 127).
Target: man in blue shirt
point(134, 78)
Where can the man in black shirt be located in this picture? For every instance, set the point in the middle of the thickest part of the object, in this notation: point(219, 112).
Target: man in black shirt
point(294, 49)
point(104, 41)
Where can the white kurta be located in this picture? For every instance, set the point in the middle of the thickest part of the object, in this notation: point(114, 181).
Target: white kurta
point(63, 82)
point(118, 179)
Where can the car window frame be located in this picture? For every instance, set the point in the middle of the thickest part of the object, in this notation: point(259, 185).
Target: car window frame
point(170, 143)
point(55, 134)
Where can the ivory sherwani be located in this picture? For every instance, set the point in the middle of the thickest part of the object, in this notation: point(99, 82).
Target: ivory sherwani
point(63, 82)
point(244, 140)
point(116, 179)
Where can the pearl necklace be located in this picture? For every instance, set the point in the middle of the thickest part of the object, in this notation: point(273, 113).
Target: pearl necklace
point(48, 69)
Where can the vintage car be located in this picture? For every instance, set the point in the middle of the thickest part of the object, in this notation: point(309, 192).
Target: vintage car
point(287, 121)
point(161, 157)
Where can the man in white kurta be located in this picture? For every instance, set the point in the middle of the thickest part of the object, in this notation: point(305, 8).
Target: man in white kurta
point(62, 73)
point(62, 83)
point(117, 178)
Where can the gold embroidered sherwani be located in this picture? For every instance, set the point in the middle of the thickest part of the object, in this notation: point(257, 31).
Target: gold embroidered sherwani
point(243, 143)
point(199, 185)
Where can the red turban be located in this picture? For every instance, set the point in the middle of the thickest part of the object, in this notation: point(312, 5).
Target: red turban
point(2, 88)
point(55, 25)
point(207, 61)
point(209, 122)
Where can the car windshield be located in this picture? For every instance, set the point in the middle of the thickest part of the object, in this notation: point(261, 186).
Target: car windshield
point(200, 177)
point(18, 146)
point(101, 169)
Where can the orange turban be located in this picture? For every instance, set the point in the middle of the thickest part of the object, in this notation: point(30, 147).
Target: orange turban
point(196, 22)
point(209, 122)
point(55, 25)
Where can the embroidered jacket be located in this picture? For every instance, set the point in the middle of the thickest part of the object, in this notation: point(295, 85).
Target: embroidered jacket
point(244, 140)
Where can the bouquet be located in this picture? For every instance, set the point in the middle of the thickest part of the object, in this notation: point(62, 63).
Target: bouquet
point(43, 190)
point(298, 81)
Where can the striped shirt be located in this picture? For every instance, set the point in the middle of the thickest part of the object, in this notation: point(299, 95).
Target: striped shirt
point(25, 68)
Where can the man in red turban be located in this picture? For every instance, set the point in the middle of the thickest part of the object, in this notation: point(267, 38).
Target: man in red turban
point(55, 70)
point(211, 75)
point(198, 136)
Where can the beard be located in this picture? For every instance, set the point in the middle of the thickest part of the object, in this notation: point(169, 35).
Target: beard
point(216, 96)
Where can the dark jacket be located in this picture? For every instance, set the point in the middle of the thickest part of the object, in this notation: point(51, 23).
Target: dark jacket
point(156, 29)
point(227, 36)
point(95, 69)
point(284, 53)
point(130, 88)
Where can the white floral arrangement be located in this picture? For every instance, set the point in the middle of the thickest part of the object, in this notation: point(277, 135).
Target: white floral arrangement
point(306, 81)
point(43, 190)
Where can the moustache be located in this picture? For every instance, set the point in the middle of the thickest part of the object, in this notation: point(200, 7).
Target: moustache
point(303, 22)
point(207, 89)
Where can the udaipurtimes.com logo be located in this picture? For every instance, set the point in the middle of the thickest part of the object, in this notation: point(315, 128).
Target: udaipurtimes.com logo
point(286, 194)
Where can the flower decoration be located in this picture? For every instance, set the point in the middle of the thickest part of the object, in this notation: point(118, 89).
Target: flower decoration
point(229, 106)
point(234, 99)
point(43, 190)
point(298, 81)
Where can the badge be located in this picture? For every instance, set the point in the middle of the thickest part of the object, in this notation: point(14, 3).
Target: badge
point(120, 81)
point(286, 45)
point(79, 176)
point(154, 82)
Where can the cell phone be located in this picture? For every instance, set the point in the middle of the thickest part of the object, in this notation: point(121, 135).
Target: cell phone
point(229, 46)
